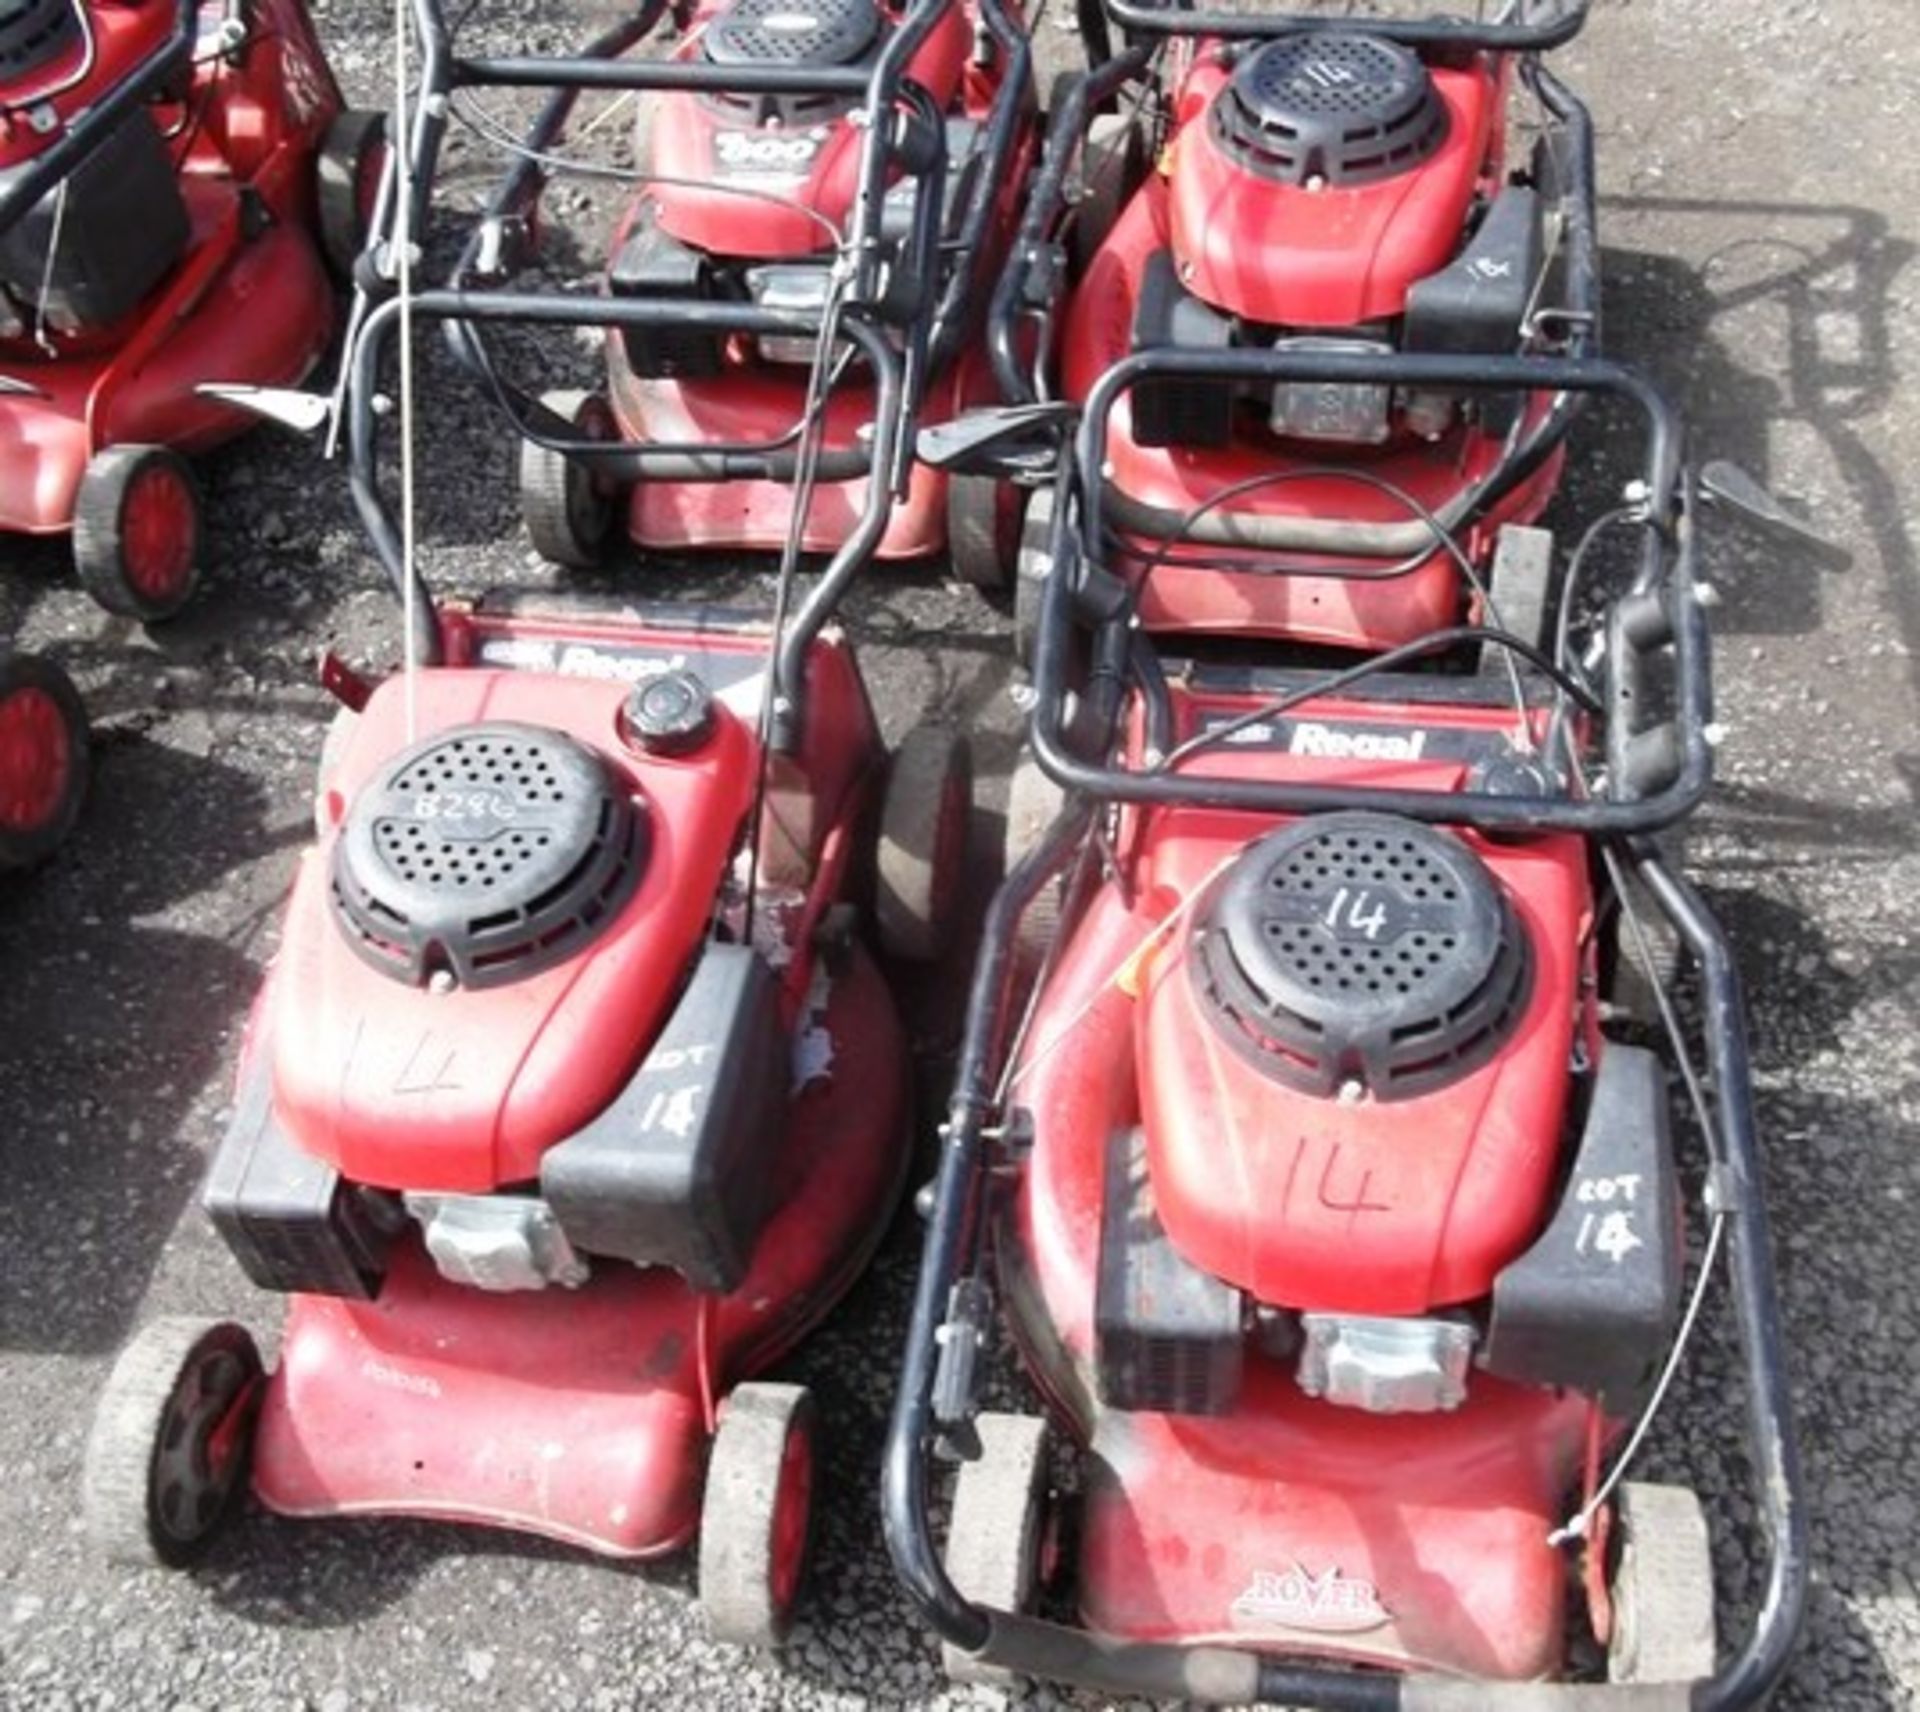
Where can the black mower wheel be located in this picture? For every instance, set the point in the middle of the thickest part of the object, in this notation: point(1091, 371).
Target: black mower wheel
point(1111, 167)
point(757, 1518)
point(44, 758)
point(569, 510)
point(137, 530)
point(1640, 966)
point(347, 173)
point(997, 1530)
point(984, 516)
point(924, 819)
point(169, 1448)
point(1662, 1587)
point(1034, 802)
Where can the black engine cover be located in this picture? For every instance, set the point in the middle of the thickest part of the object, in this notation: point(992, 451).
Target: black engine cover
point(1186, 411)
point(291, 1221)
point(1330, 105)
point(675, 1171)
point(1168, 1337)
point(486, 853)
point(1591, 1305)
point(1363, 946)
point(121, 230)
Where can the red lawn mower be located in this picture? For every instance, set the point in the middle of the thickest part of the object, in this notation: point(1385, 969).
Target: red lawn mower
point(1331, 1206)
point(175, 180)
point(43, 757)
point(574, 1098)
point(1264, 181)
point(796, 158)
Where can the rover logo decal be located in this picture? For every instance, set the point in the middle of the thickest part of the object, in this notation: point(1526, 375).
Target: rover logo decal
point(1295, 1598)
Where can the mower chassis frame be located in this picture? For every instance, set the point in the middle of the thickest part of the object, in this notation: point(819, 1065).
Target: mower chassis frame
point(564, 309)
point(1569, 122)
point(960, 1208)
point(1143, 18)
point(931, 335)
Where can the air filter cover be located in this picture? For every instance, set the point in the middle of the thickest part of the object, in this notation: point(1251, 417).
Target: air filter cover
point(793, 32)
point(1344, 108)
point(34, 33)
point(488, 852)
point(1362, 947)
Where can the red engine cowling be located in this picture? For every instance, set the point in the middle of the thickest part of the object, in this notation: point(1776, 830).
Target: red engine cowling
point(461, 1086)
point(772, 176)
point(1315, 178)
point(1353, 1060)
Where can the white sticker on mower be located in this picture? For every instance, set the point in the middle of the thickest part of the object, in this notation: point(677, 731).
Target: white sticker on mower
point(675, 1110)
point(1352, 912)
point(1612, 1233)
point(1329, 1603)
point(737, 148)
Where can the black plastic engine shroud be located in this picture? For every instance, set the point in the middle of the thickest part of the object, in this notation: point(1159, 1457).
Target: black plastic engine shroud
point(1363, 947)
point(486, 853)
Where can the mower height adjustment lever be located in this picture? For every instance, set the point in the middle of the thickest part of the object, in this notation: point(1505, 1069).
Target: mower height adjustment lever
point(1731, 488)
point(960, 1339)
point(988, 441)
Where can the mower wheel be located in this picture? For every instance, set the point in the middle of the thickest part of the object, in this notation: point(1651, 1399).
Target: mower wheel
point(43, 758)
point(924, 819)
point(1111, 166)
point(1662, 1589)
point(1030, 572)
point(569, 510)
point(347, 174)
point(1034, 802)
point(757, 1517)
point(169, 1448)
point(984, 530)
point(995, 1536)
point(136, 531)
point(1642, 966)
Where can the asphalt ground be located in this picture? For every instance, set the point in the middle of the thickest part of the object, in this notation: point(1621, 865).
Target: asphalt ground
point(1761, 208)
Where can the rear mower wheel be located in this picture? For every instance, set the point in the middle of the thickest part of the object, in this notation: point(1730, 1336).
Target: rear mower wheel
point(136, 531)
point(347, 173)
point(1112, 164)
point(1642, 966)
point(757, 1517)
point(1034, 802)
point(984, 517)
point(43, 758)
point(995, 1535)
point(569, 510)
point(1662, 1587)
point(1111, 167)
point(922, 853)
point(169, 1448)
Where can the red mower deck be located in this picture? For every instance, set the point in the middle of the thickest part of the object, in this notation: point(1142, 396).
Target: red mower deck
point(193, 191)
